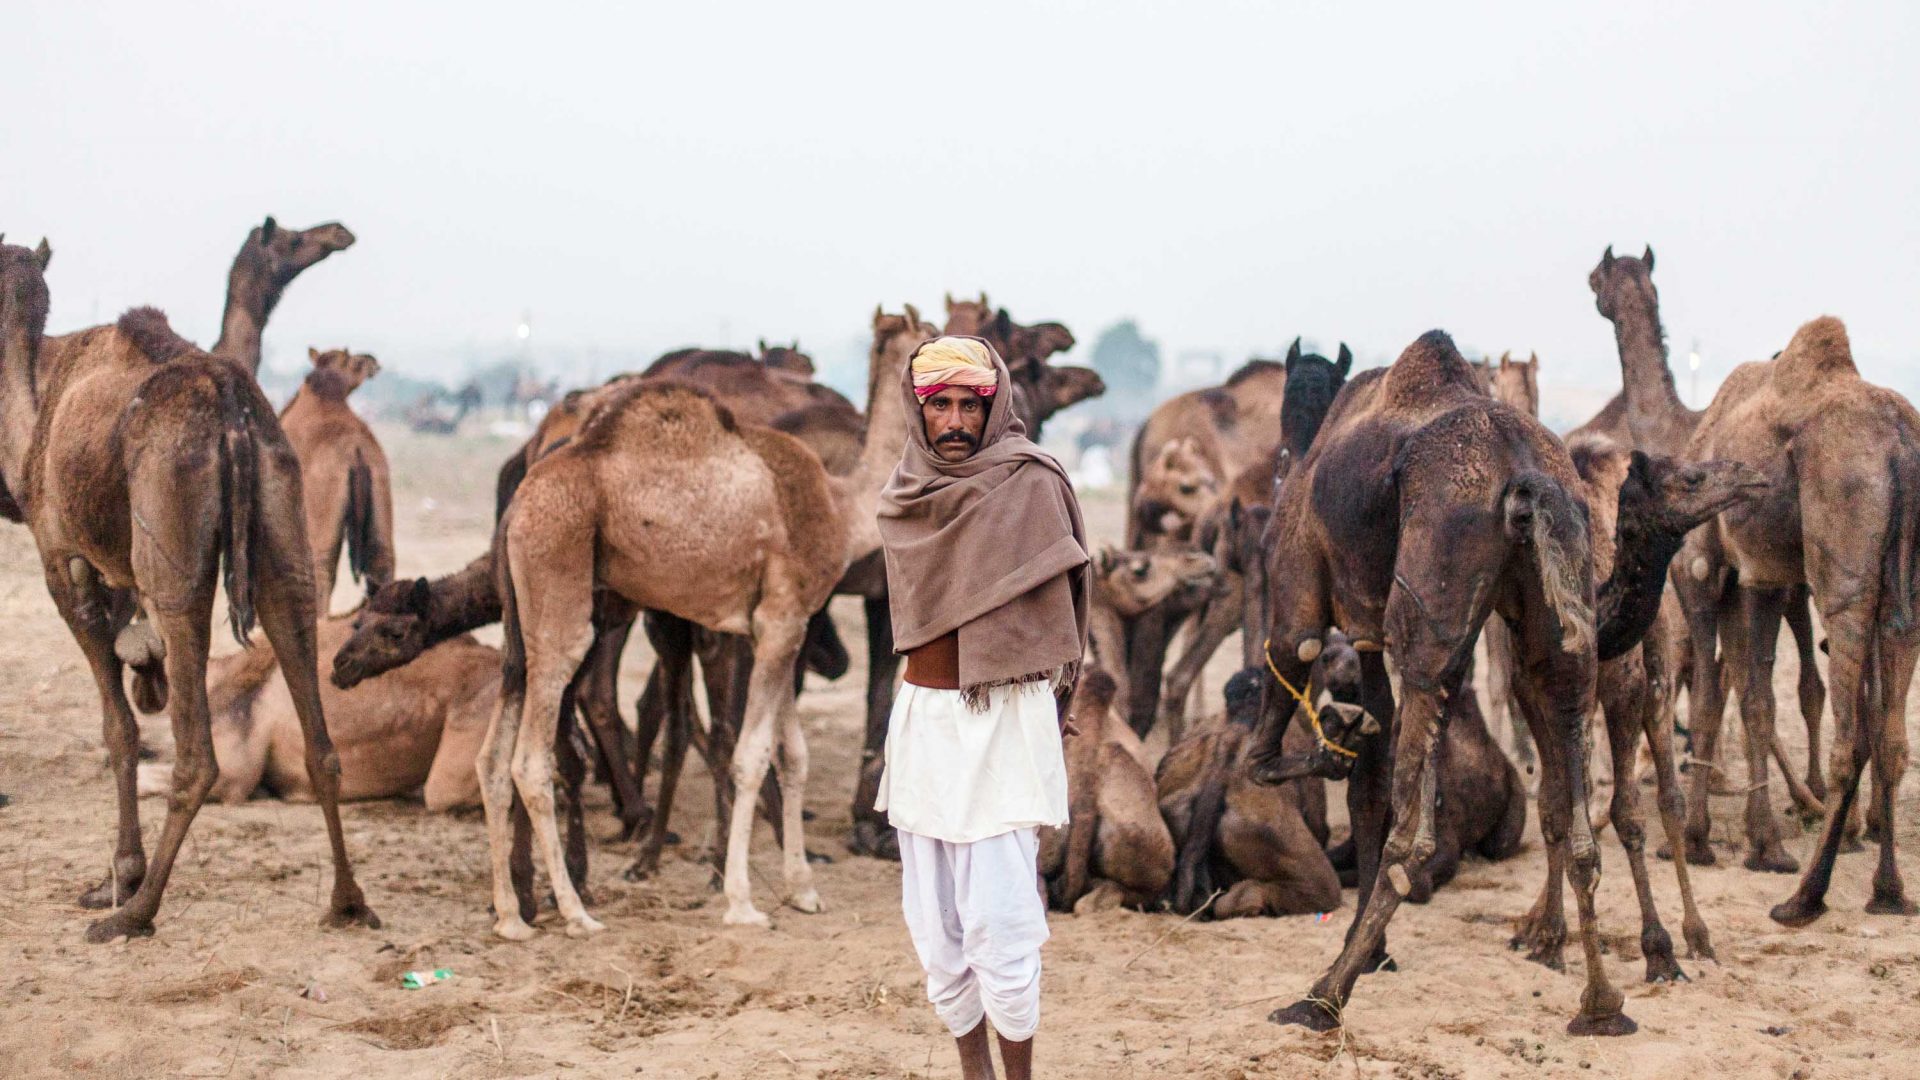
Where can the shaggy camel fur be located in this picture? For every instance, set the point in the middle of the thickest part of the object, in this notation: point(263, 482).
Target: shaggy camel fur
point(1115, 848)
point(1260, 847)
point(266, 264)
point(1516, 386)
point(760, 558)
point(1487, 522)
point(1648, 415)
point(1127, 586)
point(344, 480)
point(1844, 459)
point(147, 471)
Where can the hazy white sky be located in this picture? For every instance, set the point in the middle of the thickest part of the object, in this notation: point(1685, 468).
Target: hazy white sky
point(644, 176)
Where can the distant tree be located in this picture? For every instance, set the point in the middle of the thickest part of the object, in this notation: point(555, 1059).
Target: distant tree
point(1130, 366)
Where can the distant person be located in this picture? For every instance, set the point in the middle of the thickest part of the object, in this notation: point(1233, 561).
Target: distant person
point(987, 580)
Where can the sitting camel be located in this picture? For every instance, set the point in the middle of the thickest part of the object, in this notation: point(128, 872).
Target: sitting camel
point(148, 472)
point(344, 480)
point(1115, 847)
point(1253, 849)
point(759, 559)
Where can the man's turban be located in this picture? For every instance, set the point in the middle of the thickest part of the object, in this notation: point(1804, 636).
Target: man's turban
point(953, 361)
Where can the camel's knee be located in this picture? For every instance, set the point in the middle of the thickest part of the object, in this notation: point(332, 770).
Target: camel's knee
point(194, 775)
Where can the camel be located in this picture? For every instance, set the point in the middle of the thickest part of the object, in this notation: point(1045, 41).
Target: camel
point(1516, 385)
point(1843, 456)
point(344, 480)
point(759, 558)
point(1127, 586)
point(266, 264)
point(1176, 488)
point(1490, 520)
point(786, 358)
point(758, 391)
point(1229, 529)
point(149, 471)
point(1040, 389)
point(1115, 848)
point(1648, 415)
point(1244, 848)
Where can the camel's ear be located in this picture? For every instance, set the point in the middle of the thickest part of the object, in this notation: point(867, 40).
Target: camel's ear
point(1533, 359)
point(1648, 258)
point(1506, 359)
point(1606, 258)
point(983, 300)
point(420, 598)
point(878, 314)
point(1103, 559)
point(949, 303)
point(266, 230)
point(313, 356)
point(1293, 353)
point(763, 345)
point(44, 253)
point(1345, 363)
point(1641, 469)
point(913, 316)
point(1003, 326)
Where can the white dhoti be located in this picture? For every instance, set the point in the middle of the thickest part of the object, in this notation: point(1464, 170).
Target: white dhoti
point(966, 791)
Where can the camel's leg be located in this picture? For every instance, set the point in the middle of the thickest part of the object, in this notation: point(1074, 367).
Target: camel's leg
point(286, 613)
point(1627, 701)
point(1673, 805)
point(597, 694)
point(791, 766)
point(1761, 609)
point(571, 767)
point(1813, 692)
point(1706, 705)
point(1216, 622)
point(1889, 766)
point(671, 687)
point(776, 641)
point(507, 830)
point(871, 833)
point(1500, 693)
point(1147, 642)
point(83, 601)
point(1849, 637)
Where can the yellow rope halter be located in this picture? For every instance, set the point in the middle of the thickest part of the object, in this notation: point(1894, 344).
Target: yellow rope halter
point(1313, 714)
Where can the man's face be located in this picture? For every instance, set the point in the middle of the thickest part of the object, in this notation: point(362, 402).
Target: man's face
point(955, 416)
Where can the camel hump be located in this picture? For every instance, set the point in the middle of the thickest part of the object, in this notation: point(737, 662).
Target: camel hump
point(657, 411)
point(1429, 368)
point(147, 328)
point(1098, 688)
point(1818, 353)
point(1257, 367)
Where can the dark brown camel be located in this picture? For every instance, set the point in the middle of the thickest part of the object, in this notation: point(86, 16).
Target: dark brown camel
point(148, 471)
point(267, 263)
point(1485, 519)
point(1841, 517)
point(344, 481)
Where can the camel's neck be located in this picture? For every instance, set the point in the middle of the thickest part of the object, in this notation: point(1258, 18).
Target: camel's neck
point(1655, 414)
point(463, 601)
point(19, 411)
point(1629, 600)
point(886, 440)
point(250, 299)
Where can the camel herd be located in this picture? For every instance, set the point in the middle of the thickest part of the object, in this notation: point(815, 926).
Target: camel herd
point(1373, 537)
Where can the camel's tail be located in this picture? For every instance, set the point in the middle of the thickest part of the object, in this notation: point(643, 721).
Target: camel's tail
point(1897, 553)
point(1540, 515)
point(240, 478)
point(362, 533)
point(512, 471)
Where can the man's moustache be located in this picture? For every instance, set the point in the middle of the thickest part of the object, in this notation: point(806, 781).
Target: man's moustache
point(958, 437)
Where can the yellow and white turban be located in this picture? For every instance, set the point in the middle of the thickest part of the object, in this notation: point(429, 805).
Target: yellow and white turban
point(954, 361)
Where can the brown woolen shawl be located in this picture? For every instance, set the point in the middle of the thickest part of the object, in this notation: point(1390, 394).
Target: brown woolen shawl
point(992, 546)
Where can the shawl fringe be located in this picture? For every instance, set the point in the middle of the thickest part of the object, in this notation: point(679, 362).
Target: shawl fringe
point(1059, 680)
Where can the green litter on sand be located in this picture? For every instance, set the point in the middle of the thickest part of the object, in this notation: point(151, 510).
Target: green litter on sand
point(415, 980)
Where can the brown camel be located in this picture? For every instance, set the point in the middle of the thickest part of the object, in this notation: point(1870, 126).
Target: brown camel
point(148, 471)
point(1127, 585)
point(1254, 849)
point(1041, 389)
point(787, 358)
point(1116, 848)
point(1844, 459)
point(1488, 521)
point(344, 480)
point(1517, 386)
point(1648, 415)
point(266, 264)
point(759, 558)
point(1176, 489)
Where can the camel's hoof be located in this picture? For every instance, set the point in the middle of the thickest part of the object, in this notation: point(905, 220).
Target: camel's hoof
point(1380, 964)
point(1657, 946)
point(513, 929)
point(874, 841)
point(584, 926)
point(746, 915)
point(1309, 1014)
point(102, 896)
point(1772, 861)
point(1699, 944)
point(1699, 853)
point(1851, 845)
point(641, 870)
point(1545, 944)
point(807, 902)
point(120, 924)
point(1610, 1024)
point(819, 858)
point(1797, 912)
point(354, 912)
point(1894, 904)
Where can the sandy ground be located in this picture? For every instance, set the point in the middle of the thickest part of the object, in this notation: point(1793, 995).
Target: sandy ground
point(669, 992)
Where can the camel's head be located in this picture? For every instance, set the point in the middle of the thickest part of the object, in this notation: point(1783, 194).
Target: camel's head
point(973, 317)
point(390, 630)
point(1313, 382)
point(1333, 688)
point(1034, 343)
point(786, 358)
point(1516, 383)
point(1132, 582)
point(1245, 540)
point(350, 368)
point(23, 299)
point(1622, 281)
point(281, 253)
point(1176, 488)
point(896, 336)
point(1067, 384)
point(1026, 349)
point(1675, 497)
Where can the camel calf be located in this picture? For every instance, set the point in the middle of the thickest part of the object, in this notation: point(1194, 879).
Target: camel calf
point(344, 482)
point(1115, 848)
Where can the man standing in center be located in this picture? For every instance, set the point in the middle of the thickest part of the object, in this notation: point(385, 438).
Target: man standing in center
point(987, 581)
